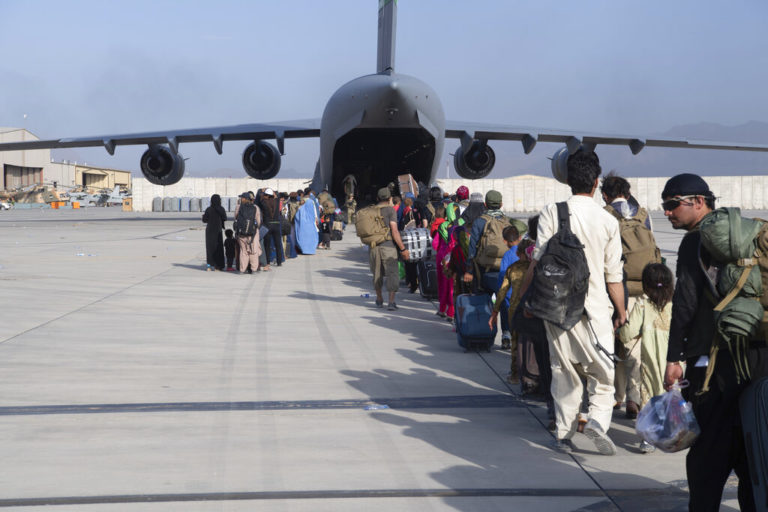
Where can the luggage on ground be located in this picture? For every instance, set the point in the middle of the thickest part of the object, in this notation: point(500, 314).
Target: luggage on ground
point(472, 315)
point(561, 277)
point(753, 404)
point(426, 271)
point(418, 242)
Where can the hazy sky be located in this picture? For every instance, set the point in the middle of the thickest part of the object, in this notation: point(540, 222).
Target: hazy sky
point(80, 68)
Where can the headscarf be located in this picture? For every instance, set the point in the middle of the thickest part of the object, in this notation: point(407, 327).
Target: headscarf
point(218, 209)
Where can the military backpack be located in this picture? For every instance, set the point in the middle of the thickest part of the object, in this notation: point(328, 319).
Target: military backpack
point(491, 246)
point(371, 227)
point(638, 247)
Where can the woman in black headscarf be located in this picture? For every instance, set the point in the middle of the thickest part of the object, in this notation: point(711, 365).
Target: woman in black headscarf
point(214, 218)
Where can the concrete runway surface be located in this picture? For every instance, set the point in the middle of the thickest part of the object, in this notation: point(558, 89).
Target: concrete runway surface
point(131, 379)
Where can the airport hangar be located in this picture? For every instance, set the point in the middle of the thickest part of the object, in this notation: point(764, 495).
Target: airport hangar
point(35, 167)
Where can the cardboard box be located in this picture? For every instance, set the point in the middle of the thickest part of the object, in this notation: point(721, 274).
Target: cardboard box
point(406, 183)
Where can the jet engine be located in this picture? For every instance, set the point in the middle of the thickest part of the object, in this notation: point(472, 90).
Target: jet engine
point(261, 160)
point(560, 165)
point(162, 167)
point(477, 163)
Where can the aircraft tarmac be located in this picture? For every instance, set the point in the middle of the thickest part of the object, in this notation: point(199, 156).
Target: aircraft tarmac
point(133, 380)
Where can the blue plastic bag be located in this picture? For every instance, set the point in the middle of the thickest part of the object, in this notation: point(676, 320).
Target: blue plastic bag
point(667, 421)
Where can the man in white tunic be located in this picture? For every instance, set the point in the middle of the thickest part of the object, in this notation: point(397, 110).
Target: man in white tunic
point(586, 349)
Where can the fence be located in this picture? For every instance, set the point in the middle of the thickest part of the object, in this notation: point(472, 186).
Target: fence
point(521, 193)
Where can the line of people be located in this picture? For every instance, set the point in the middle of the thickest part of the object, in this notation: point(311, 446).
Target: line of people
point(639, 333)
point(636, 332)
point(268, 227)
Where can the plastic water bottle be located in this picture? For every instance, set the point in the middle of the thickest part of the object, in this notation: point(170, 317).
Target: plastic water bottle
point(366, 295)
point(376, 407)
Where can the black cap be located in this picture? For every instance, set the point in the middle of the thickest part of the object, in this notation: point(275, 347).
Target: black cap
point(685, 185)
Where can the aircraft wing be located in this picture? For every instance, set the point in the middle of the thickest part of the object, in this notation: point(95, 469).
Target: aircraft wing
point(216, 135)
point(528, 136)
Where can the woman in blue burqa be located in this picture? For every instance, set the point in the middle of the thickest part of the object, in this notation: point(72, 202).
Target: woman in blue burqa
point(214, 218)
point(306, 227)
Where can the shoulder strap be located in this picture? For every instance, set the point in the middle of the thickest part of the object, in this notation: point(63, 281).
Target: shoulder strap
point(610, 209)
point(563, 221)
point(641, 215)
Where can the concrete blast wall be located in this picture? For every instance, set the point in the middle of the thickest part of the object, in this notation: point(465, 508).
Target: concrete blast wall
point(521, 193)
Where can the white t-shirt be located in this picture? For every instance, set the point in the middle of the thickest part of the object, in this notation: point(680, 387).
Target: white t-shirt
point(599, 232)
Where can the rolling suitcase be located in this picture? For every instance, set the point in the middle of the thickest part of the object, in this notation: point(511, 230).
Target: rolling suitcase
point(426, 271)
point(472, 315)
point(753, 404)
point(490, 281)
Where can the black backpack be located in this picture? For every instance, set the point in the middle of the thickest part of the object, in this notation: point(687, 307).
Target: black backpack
point(561, 277)
point(245, 222)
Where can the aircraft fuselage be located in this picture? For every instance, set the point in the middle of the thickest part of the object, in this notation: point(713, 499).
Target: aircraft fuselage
point(377, 127)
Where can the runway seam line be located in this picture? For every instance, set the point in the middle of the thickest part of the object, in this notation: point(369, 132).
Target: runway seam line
point(423, 402)
point(84, 306)
point(335, 494)
point(530, 411)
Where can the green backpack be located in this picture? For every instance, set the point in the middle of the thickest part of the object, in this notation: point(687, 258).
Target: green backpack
point(740, 246)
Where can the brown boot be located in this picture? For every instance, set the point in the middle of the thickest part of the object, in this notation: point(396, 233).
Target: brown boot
point(632, 410)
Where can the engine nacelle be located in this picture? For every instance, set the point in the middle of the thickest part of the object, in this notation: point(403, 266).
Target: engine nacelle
point(261, 160)
point(560, 165)
point(161, 166)
point(477, 163)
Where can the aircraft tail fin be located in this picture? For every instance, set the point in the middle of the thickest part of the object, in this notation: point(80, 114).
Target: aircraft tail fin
point(387, 25)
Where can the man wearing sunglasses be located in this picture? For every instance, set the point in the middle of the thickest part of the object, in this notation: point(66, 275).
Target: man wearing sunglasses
point(720, 447)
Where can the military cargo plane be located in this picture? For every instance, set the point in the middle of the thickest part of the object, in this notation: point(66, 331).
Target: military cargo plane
point(374, 128)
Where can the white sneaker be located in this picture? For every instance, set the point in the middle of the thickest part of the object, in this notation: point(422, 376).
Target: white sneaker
point(602, 442)
point(646, 447)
